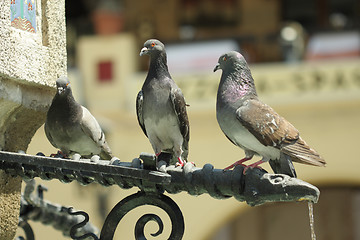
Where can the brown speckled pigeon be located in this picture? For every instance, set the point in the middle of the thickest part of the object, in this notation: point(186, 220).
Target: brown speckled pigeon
point(161, 107)
point(71, 127)
point(254, 126)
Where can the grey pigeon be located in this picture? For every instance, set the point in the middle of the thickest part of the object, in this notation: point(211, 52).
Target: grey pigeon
point(254, 126)
point(71, 128)
point(161, 107)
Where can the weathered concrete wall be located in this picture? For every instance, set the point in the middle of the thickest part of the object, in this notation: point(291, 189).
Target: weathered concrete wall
point(29, 65)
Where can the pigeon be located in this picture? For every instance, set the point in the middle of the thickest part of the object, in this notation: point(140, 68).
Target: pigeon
point(71, 128)
point(161, 107)
point(254, 126)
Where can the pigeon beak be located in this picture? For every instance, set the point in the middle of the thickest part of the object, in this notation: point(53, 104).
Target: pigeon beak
point(143, 51)
point(60, 90)
point(217, 67)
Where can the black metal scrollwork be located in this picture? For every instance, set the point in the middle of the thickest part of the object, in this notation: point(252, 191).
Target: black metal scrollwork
point(153, 176)
point(139, 199)
point(125, 206)
point(143, 220)
point(29, 234)
point(74, 229)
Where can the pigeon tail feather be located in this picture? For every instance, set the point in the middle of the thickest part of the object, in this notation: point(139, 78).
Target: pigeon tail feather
point(283, 165)
point(301, 152)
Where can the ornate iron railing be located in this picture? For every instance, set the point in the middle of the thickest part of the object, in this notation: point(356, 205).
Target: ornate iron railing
point(153, 178)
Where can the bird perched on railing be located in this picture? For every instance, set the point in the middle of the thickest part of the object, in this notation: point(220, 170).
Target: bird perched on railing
point(71, 127)
point(161, 107)
point(254, 126)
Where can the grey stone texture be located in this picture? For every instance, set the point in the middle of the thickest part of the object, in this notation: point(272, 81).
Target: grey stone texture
point(29, 65)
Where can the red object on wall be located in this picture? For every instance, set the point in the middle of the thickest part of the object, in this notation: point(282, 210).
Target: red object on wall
point(105, 71)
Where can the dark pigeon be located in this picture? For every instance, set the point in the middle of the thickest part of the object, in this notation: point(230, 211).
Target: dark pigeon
point(71, 128)
point(253, 125)
point(161, 107)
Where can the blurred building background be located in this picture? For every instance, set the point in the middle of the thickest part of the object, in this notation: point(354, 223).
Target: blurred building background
point(304, 56)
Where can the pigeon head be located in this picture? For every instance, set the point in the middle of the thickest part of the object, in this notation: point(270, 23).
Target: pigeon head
point(63, 85)
point(152, 47)
point(231, 61)
point(235, 69)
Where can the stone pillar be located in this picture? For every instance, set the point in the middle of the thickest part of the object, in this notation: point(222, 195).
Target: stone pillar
point(32, 57)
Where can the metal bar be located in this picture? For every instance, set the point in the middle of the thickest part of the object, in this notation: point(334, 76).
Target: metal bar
point(256, 187)
point(29, 166)
point(34, 207)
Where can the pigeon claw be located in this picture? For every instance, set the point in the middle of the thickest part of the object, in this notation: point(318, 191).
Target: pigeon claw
point(180, 162)
point(184, 163)
point(254, 165)
point(59, 154)
point(193, 164)
point(240, 162)
point(234, 165)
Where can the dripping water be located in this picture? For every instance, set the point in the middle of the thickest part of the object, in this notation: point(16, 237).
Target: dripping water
point(311, 217)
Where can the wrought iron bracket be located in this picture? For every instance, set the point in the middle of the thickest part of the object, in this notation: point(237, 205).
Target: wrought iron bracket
point(139, 199)
point(153, 176)
point(34, 207)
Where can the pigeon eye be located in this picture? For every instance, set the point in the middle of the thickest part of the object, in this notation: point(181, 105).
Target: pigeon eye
point(153, 44)
point(224, 59)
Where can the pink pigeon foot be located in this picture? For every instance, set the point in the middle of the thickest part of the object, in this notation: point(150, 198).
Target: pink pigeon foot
point(254, 165)
point(59, 154)
point(240, 162)
point(180, 162)
point(193, 164)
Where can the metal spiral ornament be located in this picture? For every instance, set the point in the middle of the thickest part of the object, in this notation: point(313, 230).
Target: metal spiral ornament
point(74, 229)
point(29, 234)
point(139, 199)
point(143, 220)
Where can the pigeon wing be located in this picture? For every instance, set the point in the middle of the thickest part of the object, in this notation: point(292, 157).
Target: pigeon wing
point(273, 130)
point(91, 128)
point(179, 105)
point(266, 125)
point(48, 135)
point(139, 110)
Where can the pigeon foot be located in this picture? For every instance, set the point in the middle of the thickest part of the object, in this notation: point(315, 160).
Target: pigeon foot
point(193, 164)
point(180, 162)
point(240, 162)
point(254, 165)
point(59, 154)
point(183, 163)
